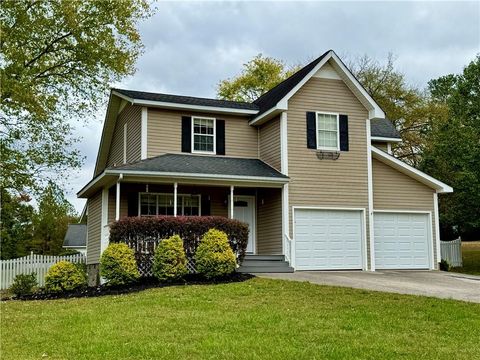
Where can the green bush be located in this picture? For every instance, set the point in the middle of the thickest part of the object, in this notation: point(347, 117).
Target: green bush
point(170, 261)
point(23, 284)
point(118, 265)
point(445, 265)
point(65, 276)
point(214, 257)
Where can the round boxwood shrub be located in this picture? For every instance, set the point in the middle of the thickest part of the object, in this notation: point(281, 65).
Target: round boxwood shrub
point(118, 265)
point(23, 284)
point(170, 261)
point(65, 276)
point(214, 257)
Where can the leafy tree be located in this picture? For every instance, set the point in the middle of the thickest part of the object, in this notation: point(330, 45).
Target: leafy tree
point(452, 153)
point(257, 77)
point(51, 221)
point(16, 226)
point(57, 59)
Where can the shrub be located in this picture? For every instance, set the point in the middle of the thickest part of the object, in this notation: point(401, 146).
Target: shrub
point(445, 265)
point(145, 232)
point(214, 257)
point(170, 262)
point(118, 265)
point(65, 276)
point(23, 284)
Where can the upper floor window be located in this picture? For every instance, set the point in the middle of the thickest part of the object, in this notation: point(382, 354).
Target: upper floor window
point(203, 135)
point(328, 135)
point(152, 204)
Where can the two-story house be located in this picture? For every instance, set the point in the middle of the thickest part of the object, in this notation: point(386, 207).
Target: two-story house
point(308, 166)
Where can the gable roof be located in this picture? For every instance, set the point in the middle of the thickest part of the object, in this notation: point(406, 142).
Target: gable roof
point(76, 236)
point(383, 128)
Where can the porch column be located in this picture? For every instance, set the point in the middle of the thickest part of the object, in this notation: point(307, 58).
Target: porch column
point(231, 202)
point(175, 185)
point(117, 202)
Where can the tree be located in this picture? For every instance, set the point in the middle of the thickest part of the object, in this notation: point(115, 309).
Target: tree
point(452, 153)
point(257, 77)
point(51, 220)
point(57, 59)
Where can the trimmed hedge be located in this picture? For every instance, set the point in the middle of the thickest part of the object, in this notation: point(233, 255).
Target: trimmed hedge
point(118, 265)
point(169, 261)
point(143, 233)
point(214, 257)
point(65, 276)
point(23, 284)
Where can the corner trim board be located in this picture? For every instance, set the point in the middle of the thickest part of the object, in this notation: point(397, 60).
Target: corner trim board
point(144, 133)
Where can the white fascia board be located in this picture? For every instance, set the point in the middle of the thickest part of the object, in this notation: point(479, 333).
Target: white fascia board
point(410, 171)
point(270, 113)
point(179, 106)
point(385, 139)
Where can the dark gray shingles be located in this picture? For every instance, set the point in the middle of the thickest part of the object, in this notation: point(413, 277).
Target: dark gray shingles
point(196, 164)
point(383, 128)
point(76, 235)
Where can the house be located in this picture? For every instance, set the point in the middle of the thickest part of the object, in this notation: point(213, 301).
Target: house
point(308, 166)
point(76, 238)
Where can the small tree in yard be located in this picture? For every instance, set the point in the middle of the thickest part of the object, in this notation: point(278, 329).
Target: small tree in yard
point(170, 261)
point(214, 257)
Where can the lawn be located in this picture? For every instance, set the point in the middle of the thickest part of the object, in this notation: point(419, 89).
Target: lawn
point(471, 258)
point(256, 319)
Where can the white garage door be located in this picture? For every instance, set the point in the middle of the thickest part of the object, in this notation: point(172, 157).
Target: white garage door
point(328, 239)
point(402, 241)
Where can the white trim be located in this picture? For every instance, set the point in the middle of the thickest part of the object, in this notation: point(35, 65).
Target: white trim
point(371, 231)
point(104, 221)
point(230, 213)
point(117, 202)
point(192, 135)
point(171, 105)
point(179, 195)
point(389, 148)
point(125, 143)
point(410, 171)
point(285, 222)
point(329, 148)
point(385, 139)
point(437, 226)
point(402, 211)
point(175, 199)
point(283, 143)
point(144, 134)
point(363, 224)
point(253, 202)
point(267, 113)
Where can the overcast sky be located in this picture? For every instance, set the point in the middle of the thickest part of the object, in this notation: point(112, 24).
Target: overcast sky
point(191, 46)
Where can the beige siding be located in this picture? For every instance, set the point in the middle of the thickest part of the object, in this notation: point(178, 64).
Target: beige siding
point(269, 143)
point(328, 183)
point(380, 145)
point(165, 133)
point(393, 190)
point(94, 226)
point(269, 222)
point(130, 115)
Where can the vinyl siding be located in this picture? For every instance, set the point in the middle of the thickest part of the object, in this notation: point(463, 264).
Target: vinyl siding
point(165, 133)
point(269, 143)
point(269, 222)
point(94, 225)
point(393, 190)
point(130, 115)
point(327, 183)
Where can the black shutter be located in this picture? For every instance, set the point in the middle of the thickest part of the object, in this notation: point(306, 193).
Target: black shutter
point(220, 137)
point(205, 205)
point(186, 134)
point(133, 203)
point(343, 119)
point(311, 131)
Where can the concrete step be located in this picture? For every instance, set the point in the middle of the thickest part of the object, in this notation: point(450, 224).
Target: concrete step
point(265, 269)
point(265, 257)
point(256, 262)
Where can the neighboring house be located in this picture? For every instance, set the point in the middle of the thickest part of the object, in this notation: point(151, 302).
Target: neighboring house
point(76, 238)
point(308, 166)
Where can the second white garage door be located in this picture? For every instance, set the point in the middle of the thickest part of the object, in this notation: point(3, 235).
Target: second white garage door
point(402, 240)
point(328, 239)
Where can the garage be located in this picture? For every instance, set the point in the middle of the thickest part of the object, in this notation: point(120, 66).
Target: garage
point(327, 239)
point(402, 240)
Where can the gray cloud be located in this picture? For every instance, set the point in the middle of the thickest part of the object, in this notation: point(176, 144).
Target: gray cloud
point(190, 47)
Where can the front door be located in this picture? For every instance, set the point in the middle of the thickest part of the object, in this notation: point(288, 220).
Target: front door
point(244, 210)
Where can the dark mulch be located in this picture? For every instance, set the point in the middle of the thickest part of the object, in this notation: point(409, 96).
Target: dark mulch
point(146, 283)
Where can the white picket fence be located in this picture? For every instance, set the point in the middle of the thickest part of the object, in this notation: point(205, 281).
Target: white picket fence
point(452, 252)
point(38, 264)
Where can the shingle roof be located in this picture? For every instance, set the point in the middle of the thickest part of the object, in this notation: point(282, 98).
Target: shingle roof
point(383, 128)
point(188, 100)
point(76, 235)
point(205, 165)
point(273, 96)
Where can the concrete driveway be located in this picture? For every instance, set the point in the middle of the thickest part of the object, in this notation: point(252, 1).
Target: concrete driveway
point(445, 285)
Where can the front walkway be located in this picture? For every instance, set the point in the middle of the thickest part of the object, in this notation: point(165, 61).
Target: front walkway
point(427, 283)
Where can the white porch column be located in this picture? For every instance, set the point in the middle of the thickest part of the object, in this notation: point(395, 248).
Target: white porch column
point(371, 235)
point(437, 227)
point(175, 186)
point(117, 202)
point(231, 202)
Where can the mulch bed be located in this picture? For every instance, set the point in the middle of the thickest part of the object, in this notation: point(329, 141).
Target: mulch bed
point(146, 283)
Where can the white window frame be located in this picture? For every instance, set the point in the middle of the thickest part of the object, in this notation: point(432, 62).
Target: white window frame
point(214, 135)
point(329, 148)
point(180, 204)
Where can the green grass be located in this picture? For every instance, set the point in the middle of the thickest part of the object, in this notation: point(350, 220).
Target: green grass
point(256, 319)
point(471, 258)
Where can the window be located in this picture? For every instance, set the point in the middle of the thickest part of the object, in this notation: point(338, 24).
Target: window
point(327, 132)
point(203, 135)
point(162, 204)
